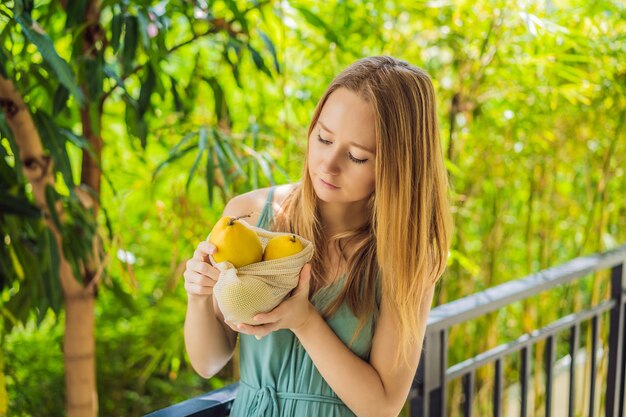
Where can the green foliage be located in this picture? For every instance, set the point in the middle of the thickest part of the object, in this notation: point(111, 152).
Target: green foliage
point(149, 369)
point(34, 369)
point(28, 249)
point(202, 102)
point(44, 44)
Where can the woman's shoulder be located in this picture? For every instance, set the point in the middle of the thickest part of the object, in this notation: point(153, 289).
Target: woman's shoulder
point(252, 202)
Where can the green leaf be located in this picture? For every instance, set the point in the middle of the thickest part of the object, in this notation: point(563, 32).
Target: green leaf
point(222, 161)
point(107, 222)
point(51, 198)
point(23, 7)
point(3, 62)
point(143, 22)
point(234, 65)
point(51, 57)
point(130, 43)
point(210, 174)
point(110, 72)
point(54, 141)
point(270, 47)
point(202, 146)
point(60, 99)
point(116, 31)
point(258, 61)
point(52, 282)
point(238, 15)
point(315, 20)
point(75, 13)
point(171, 158)
point(221, 106)
point(135, 125)
point(94, 76)
point(191, 89)
point(74, 250)
point(228, 151)
point(147, 86)
point(178, 104)
point(19, 206)
point(255, 139)
point(122, 296)
point(202, 138)
point(78, 141)
point(266, 168)
point(182, 142)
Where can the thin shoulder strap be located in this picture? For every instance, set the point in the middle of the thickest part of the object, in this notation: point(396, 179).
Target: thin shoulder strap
point(267, 213)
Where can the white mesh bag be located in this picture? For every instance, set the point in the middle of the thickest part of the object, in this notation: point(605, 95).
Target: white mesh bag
point(259, 287)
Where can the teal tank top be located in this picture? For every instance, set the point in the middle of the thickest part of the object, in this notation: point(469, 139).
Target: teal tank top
point(277, 376)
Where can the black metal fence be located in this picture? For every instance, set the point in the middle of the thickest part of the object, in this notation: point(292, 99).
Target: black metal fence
point(428, 395)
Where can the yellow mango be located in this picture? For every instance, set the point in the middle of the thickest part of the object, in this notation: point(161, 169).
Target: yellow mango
point(281, 247)
point(235, 242)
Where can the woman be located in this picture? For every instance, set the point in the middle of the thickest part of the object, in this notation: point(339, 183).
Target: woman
point(373, 200)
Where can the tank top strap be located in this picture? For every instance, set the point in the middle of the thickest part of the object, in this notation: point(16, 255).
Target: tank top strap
point(267, 213)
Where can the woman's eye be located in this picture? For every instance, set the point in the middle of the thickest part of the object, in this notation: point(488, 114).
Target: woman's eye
point(352, 158)
point(324, 141)
point(355, 160)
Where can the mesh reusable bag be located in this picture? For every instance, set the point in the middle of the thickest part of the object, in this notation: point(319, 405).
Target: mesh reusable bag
point(259, 287)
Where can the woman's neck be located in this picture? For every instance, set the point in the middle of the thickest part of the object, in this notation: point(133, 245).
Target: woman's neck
point(338, 218)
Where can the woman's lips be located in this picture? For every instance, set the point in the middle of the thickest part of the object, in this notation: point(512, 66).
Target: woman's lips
point(328, 185)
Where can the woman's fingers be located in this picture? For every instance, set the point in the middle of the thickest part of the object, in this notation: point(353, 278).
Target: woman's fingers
point(200, 276)
point(203, 250)
point(193, 288)
point(196, 283)
point(256, 331)
point(202, 268)
point(200, 279)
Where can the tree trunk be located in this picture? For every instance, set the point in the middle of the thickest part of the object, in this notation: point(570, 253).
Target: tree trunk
point(78, 343)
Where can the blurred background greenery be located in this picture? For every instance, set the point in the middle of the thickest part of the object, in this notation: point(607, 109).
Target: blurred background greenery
point(197, 101)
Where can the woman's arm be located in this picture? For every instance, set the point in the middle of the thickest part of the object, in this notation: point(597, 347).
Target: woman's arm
point(368, 389)
point(373, 388)
point(210, 343)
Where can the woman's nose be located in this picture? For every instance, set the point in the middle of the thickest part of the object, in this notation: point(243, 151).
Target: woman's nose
point(332, 163)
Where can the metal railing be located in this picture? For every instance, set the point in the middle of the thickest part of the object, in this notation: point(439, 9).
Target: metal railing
point(428, 394)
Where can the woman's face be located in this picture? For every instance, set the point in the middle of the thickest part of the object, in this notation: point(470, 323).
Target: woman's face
point(342, 149)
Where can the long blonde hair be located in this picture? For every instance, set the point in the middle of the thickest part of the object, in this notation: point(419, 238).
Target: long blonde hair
point(407, 239)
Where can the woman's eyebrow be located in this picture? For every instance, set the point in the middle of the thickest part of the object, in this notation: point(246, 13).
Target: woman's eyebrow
point(357, 145)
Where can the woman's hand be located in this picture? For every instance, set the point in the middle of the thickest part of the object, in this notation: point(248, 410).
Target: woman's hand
point(293, 313)
point(200, 275)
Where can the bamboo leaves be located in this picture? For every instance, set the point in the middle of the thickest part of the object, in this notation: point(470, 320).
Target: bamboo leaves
point(116, 31)
point(316, 21)
point(54, 142)
point(220, 104)
point(3, 62)
point(147, 87)
point(59, 66)
point(130, 43)
point(75, 13)
point(271, 48)
point(10, 204)
point(259, 62)
point(202, 146)
point(228, 161)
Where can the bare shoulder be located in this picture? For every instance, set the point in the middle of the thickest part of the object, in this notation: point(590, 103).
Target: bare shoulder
point(281, 193)
point(253, 201)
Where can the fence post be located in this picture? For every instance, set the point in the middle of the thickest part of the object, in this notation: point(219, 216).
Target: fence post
point(617, 336)
point(428, 391)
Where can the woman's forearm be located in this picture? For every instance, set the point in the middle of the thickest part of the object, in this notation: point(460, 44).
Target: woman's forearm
point(354, 380)
point(206, 341)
